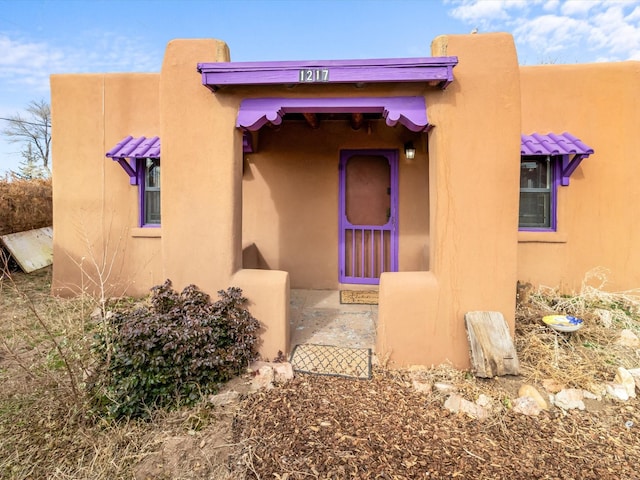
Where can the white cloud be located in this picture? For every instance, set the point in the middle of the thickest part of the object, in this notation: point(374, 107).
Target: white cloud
point(582, 30)
point(577, 7)
point(29, 63)
point(551, 5)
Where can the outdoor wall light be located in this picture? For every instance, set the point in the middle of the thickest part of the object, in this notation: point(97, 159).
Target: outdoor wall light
point(409, 151)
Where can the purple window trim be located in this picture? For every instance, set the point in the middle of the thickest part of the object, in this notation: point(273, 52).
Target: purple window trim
point(408, 111)
point(556, 172)
point(392, 156)
point(432, 70)
point(141, 195)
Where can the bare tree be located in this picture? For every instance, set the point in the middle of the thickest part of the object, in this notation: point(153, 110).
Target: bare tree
point(33, 130)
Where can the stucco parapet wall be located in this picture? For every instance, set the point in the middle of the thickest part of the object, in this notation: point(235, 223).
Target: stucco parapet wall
point(268, 295)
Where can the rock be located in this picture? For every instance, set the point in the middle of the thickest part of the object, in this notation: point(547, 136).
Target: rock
point(455, 403)
point(617, 391)
point(263, 379)
point(484, 401)
point(422, 387)
point(628, 339)
point(552, 386)
point(569, 399)
point(224, 398)
point(624, 378)
point(531, 392)
point(283, 371)
point(635, 373)
point(605, 317)
point(526, 405)
point(444, 387)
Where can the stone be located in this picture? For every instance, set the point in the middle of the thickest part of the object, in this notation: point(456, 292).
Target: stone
point(455, 403)
point(624, 378)
point(628, 339)
point(551, 385)
point(569, 399)
point(422, 387)
point(263, 379)
point(617, 391)
point(531, 392)
point(605, 317)
point(224, 398)
point(484, 401)
point(444, 387)
point(635, 373)
point(283, 371)
point(526, 406)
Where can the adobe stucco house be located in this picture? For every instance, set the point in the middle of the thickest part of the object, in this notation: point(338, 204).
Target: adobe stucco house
point(279, 175)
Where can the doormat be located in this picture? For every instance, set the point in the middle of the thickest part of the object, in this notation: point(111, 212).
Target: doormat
point(331, 360)
point(359, 297)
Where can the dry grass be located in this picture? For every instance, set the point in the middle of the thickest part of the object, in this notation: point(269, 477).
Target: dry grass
point(25, 205)
point(591, 355)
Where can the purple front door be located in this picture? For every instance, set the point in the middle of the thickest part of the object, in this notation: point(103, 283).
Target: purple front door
point(368, 215)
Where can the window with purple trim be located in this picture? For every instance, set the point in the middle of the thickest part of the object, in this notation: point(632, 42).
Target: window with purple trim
point(150, 192)
point(538, 185)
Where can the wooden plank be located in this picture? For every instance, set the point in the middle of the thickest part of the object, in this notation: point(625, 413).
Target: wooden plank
point(32, 250)
point(492, 350)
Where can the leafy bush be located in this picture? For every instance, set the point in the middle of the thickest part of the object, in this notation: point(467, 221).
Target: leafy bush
point(171, 352)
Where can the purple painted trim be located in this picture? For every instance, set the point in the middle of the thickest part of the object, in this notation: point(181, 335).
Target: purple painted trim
point(134, 148)
point(140, 163)
point(408, 111)
point(551, 144)
point(437, 70)
point(555, 183)
point(131, 147)
point(344, 224)
point(247, 142)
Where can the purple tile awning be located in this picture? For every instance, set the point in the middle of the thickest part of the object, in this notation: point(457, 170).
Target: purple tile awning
point(436, 71)
point(141, 147)
point(408, 111)
point(564, 145)
point(129, 149)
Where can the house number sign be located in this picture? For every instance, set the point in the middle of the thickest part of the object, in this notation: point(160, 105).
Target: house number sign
point(311, 75)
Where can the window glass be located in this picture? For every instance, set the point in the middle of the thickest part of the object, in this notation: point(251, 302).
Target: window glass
point(536, 192)
point(152, 191)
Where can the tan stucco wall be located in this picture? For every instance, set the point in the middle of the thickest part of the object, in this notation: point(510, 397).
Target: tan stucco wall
point(95, 211)
point(473, 181)
point(598, 214)
point(290, 198)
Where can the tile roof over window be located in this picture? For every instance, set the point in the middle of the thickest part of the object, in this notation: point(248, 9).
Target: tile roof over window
point(571, 150)
point(141, 147)
point(552, 144)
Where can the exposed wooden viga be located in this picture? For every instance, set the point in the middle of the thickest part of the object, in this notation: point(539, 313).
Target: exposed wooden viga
point(492, 350)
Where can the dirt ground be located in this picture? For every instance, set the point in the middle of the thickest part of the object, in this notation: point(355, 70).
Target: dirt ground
point(311, 427)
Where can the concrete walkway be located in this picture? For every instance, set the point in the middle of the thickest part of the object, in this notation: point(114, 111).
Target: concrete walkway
point(318, 317)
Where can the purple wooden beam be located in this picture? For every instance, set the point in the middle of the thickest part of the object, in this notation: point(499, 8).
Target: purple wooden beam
point(408, 111)
point(433, 70)
point(247, 143)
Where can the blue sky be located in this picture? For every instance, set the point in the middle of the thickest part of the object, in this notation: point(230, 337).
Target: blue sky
point(39, 37)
